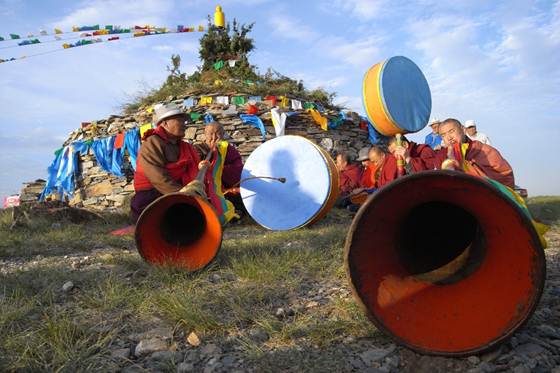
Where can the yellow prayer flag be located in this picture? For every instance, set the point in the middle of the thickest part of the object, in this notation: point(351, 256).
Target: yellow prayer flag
point(75, 29)
point(205, 100)
point(66, 46)
point(200, 28)
point(144, 128)
point(150, 110)
point(218, 82)
point(284, 102)
point(319, 119)
point(57, 31)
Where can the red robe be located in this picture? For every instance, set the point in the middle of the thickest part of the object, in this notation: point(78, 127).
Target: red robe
point(484, 160)
point(388, 171)
point(369, 179)
point(422, 157)
point(350, 178)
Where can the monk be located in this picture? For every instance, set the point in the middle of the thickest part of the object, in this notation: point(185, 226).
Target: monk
point(386, 164)
point(165, 163)
point(349, 173)
point(233, 164)
point(471, 156)
point(417, 157)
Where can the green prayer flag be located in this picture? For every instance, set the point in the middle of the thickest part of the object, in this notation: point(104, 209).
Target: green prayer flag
point(58, 151)
point(195, 116)
point(1, 38)
point(14, 36)
point(219, 65)
point(309, 105)
point(238, 100)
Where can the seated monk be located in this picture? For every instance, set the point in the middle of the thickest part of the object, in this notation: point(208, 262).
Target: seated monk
point(165, 163)
point(232, 164)
point(386, 165)
point(471, 156)
point(349, 173)
point(417, 157)
point(368, 181)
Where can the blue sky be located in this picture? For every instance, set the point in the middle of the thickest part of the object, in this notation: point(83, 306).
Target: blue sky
point(496, 62)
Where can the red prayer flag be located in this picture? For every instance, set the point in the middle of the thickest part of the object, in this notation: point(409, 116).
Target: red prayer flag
point(119, 140)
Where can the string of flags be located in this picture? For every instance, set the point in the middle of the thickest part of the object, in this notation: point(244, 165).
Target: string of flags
point(89, 38)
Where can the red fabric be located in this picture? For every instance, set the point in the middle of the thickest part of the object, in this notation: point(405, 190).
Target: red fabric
point(252, 109)
point(482, 160)
point(184, 170)
point(422, 157)
point(233, 165)
point(119, 141)
point(271, 98)
point(368, 179)
point(350, 178)
point(388, 171)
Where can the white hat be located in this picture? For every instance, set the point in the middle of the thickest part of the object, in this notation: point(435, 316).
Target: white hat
point(162, 112)
point(363, 154)
point(470, 123)
point(434, 121)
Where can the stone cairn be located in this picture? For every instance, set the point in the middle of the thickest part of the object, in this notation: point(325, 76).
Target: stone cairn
point(102, 191)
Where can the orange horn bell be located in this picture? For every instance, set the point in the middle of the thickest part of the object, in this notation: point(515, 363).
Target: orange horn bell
point(179, 229)
point(445, 263)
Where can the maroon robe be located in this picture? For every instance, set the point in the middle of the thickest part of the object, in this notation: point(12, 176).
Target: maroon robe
point(484, 160)
point(422, 157)
point(233, 165)
point(388, 171)
point(349, 178)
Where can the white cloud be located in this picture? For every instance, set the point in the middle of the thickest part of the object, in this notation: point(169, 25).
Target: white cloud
point(288, 28)
point(361, 9)
point(162, 48)
point(117, 12)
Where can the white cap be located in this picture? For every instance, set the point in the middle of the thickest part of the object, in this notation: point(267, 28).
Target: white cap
point(470, 123)
point(363, 154)
point(435, 120)
point(162, 112)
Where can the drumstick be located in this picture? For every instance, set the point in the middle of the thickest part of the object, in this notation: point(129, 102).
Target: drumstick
point(230, 190)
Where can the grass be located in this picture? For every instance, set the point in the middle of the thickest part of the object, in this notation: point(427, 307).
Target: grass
point(117, 294)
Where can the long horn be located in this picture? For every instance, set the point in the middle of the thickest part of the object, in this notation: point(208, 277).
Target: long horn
point(180, 229)
point(445, 263)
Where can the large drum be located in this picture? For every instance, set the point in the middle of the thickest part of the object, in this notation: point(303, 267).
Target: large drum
point(396, 97)
point(288, 183)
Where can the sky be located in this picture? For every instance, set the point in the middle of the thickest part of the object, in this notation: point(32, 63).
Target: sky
point(496, 62)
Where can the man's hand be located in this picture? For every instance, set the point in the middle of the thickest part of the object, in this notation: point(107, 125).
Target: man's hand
point(401, 151)
point(357, 191)
point(203, 163)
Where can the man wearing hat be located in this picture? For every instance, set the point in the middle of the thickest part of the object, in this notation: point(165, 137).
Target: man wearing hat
point(470, 129)
point(433, 139)
point(165, 162)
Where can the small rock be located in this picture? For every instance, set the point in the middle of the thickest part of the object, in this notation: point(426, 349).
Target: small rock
point(121, 353)
point(529, 349)
point(521, 369)
point(312, 304)
point(68, 286)
point(210, 349)
point(228, 360)
point(185, 367)
point(193, 339)
point(148, 346)
point(473, 360)
point(214, 278)
point(258, 335)
point(372, 355)
point(548, 331)
point(164, 355)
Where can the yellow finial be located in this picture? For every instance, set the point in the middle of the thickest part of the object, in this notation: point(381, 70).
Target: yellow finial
point(219, 17)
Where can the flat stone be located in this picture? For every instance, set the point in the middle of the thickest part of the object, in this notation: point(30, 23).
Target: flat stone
point(372, 355)
point(185, 367)
point(121, 353)
point(149, 346)
point(210, 349)
point(258, 335)
point(68, 286)
point(100, 189)
point(164, 355)
point(473, 360)
point(529, 349)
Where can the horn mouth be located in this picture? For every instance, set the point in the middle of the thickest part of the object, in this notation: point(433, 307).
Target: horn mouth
point(179, 230)
point(445, 263)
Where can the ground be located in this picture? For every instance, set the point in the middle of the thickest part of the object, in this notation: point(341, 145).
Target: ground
point(73, 298)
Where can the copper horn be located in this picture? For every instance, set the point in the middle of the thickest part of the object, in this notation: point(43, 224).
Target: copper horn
point(180, 229)
point(445, 263)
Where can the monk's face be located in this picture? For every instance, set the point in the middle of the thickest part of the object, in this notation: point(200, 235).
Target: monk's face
point(471, 131)
point(451, 133)
point(175, 126)
point(212, 134)
point(365, 163)
point(376, 158)
point(341, 162)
